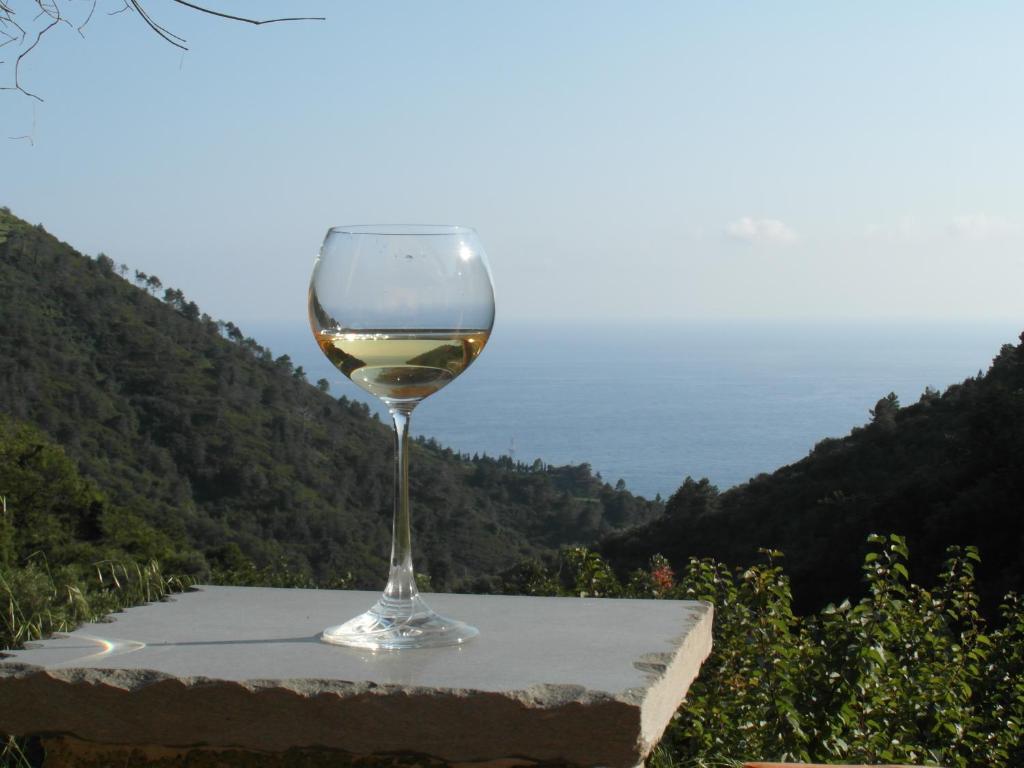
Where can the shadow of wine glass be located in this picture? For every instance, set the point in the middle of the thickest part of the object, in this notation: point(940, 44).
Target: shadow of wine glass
point(382, 666)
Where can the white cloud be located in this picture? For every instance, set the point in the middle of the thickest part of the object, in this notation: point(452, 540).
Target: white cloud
point(979, 226)
point(906, 229)
point(754, 230)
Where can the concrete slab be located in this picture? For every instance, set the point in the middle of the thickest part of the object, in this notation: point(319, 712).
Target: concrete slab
point(579, 681)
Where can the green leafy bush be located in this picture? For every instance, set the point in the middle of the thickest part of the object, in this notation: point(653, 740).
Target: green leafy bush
point(905, 675)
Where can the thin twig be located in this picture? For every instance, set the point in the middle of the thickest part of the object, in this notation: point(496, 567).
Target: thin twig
point(17, 63)
point(160, 27)
point(32, 142)
point(48, 9)
point(170, 37)
point(91, 11)
point(243, 18)
point(12, 22)
point(52, 10)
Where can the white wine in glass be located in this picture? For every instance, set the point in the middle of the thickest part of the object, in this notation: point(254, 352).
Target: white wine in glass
point(401, 311)
point(401, 365)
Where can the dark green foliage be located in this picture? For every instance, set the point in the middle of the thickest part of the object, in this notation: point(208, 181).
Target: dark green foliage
point(66, 554)
point(946, 470)
point(51, 512)
point(212, 441)
point(905, 675)
point(38, 599)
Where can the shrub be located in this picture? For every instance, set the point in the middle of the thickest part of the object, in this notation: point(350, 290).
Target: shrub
point(905, 675)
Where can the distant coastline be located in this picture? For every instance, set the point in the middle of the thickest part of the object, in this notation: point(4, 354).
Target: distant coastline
point(651, 404)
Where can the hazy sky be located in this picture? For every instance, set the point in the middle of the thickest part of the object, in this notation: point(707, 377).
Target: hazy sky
point(620, 160)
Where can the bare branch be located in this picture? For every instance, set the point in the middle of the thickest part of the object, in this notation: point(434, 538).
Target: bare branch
point(53, 11)
point(91, 11)
point(212, 12)
point(10, 20)
point(48, 9)
point(138, 4)
point(17, 63)
point(49, 13)
point(170, 37)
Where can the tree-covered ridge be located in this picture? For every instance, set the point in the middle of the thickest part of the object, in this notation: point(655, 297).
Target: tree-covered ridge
point(205, 435)
point(946, 470)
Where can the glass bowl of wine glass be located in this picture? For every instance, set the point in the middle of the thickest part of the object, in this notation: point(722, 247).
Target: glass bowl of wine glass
point(401, 310)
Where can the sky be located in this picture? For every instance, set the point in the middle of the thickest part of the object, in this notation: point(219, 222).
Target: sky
point(622, 162)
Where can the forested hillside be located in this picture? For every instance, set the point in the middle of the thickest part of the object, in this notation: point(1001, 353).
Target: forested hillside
point(187, 424)
point(947, 470)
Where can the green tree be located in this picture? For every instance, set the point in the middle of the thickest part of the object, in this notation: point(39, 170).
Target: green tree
point(884, 413)
point(693, 498)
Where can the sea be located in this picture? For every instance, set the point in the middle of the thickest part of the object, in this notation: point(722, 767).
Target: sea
point(652, 404)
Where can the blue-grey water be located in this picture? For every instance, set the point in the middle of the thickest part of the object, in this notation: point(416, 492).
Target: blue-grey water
point(653, 404)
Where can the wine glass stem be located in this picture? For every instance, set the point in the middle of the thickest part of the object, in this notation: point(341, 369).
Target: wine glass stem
point(402, 579)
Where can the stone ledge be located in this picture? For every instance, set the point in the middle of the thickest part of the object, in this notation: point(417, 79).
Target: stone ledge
point(573, 681)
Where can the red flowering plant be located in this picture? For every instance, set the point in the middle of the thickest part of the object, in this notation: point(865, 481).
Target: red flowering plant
point(663, 578)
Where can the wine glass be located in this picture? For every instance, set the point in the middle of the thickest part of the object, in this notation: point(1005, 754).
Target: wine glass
point(401, 310)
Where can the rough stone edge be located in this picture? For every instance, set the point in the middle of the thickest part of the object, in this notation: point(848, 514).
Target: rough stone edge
point(539, 696)
point(540, 737)
point(674, 672)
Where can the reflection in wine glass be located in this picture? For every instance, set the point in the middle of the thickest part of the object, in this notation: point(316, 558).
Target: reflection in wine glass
point(401, 311)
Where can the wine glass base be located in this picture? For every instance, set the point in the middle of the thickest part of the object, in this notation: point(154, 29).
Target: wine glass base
point(399, 624)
